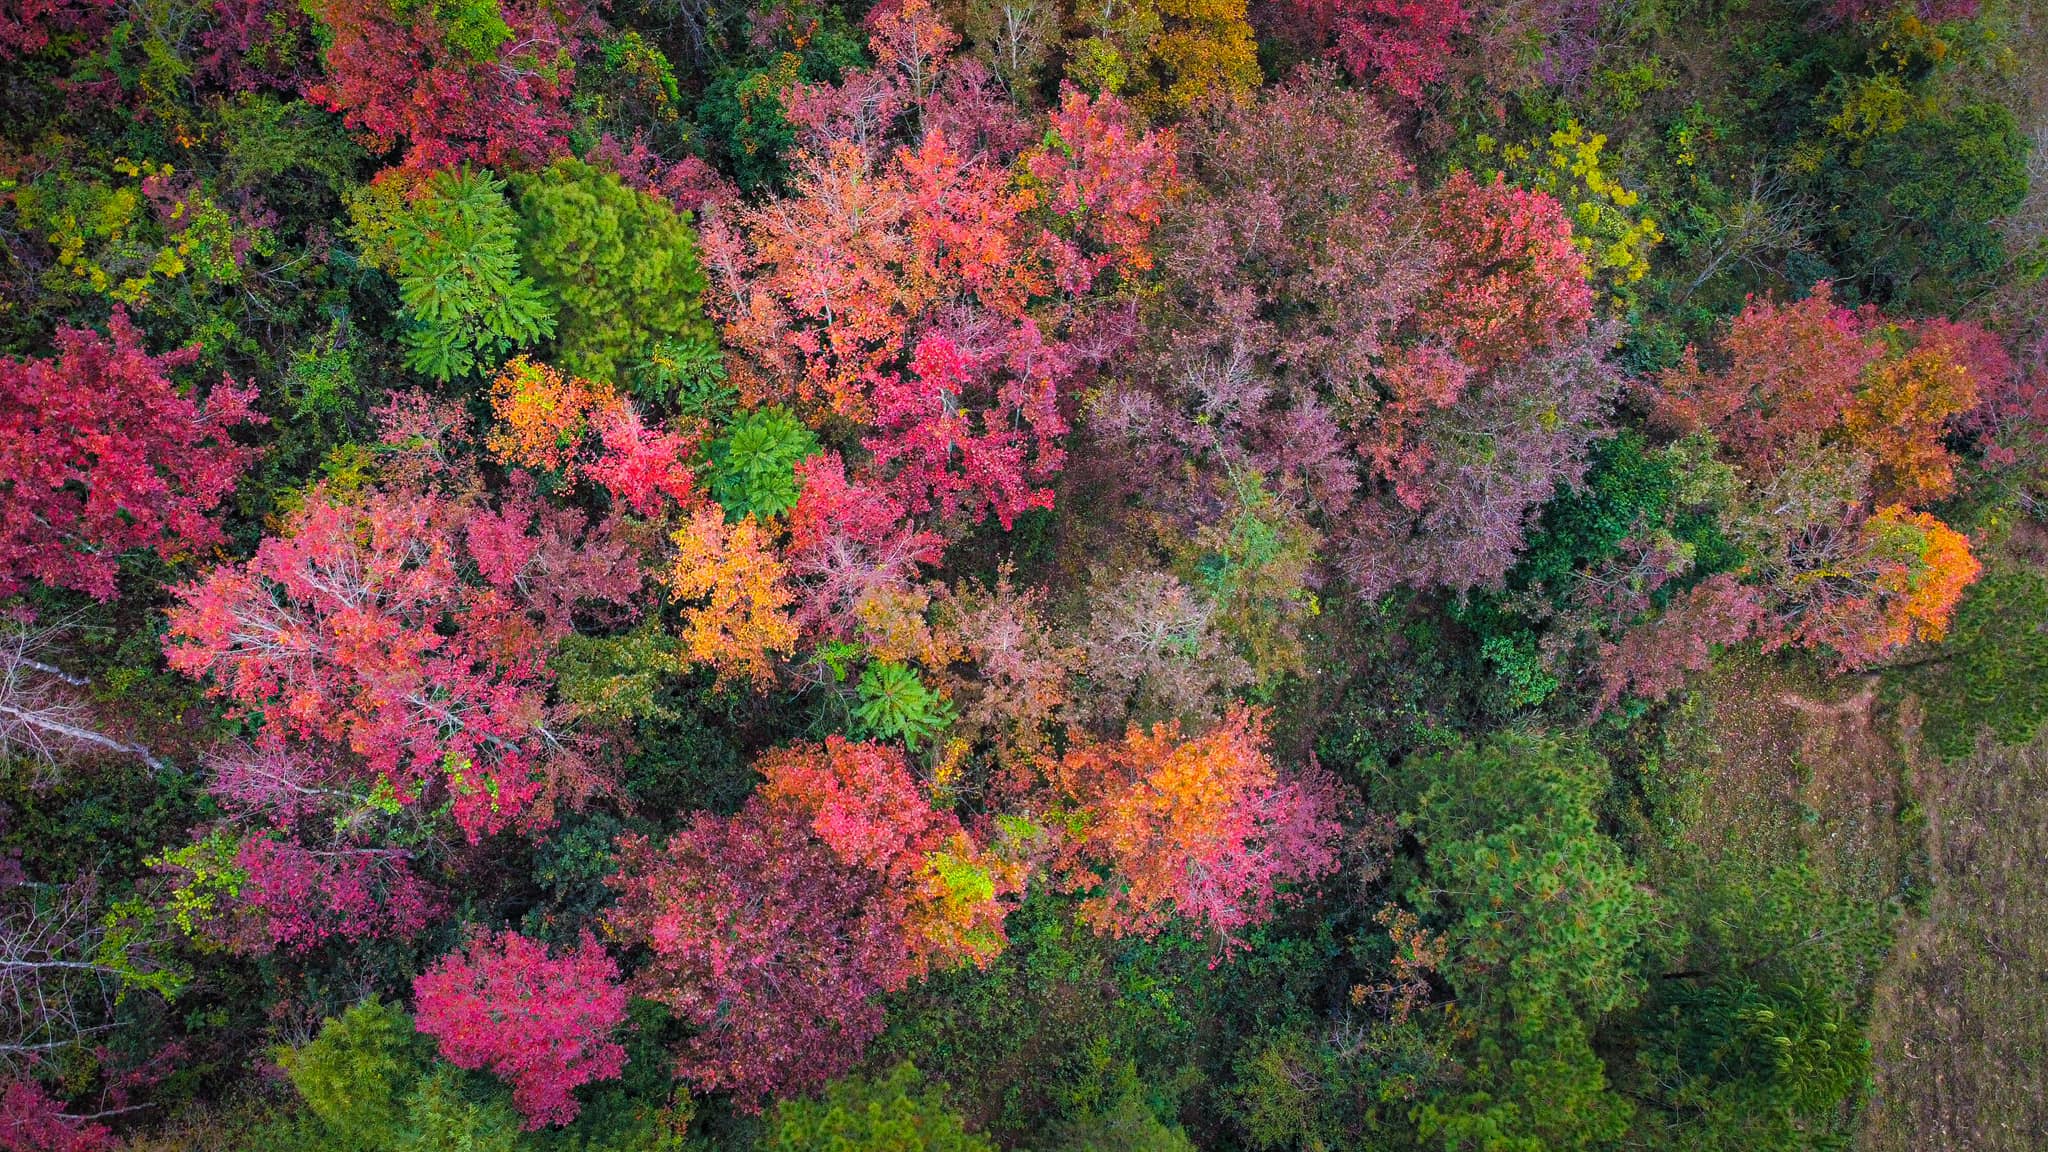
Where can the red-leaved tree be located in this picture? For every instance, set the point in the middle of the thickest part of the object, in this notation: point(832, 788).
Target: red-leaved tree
point(762, 939)
point(32, 1122)
point(1404, 45)
point(1203, 828)
point(485, 82)
point(101, 453)
point(930, 282)
point(540, 1021)
point(776, 930)
point(360, 629)
point(1414, 372)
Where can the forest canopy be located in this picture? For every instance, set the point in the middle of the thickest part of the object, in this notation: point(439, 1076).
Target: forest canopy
point(632, 575)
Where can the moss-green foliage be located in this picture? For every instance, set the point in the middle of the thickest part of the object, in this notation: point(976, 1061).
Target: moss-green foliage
point(685, 761)
point(369, 1083)
point(1040, 1036)
point(1129, 1124)
point(455, 254)
point(753, 465)
point(898, 1112)
point(621, 266)
point(354, 1076)
point(618, 678)
point(1745, 1066)
point(1544, 921)
point(1991, 673)
point(688, 375)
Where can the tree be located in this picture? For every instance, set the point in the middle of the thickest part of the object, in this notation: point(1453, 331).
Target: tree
point(65, 965)
point(42, 713)
point(541, 1022)
point(1404, 44)
point(33, 25)
point(1153, 652)
point(865, 806)
point(1901, 418)
point(284, 894)
point(102, 454)
point(1829, 425)
point(620, 264)
point(32, 1122)
point(354, 1074)
point(1896, 582)
point(850, 543)
point(1416, 372)
point(1541, 917)
point(763, 940)
point(586, 430)
point(1791, 372)
point(486, 82)
point(451, 242)
point(1019, 690)
point(913, 290)
point(897, 1112)
point(1169, 56)
point(1512, 283)
point(334, 632)
point(776, 930)
point(1202, 828)
point(1102, 188)
point(743, 621)
point(754, 466)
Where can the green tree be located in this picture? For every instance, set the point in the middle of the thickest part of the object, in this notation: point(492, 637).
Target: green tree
point(896, 1113)
point(894, 704)
point(621, 265)
point(753, 466)
point(1543, 920)
point(354, 1076)
point(454, 252)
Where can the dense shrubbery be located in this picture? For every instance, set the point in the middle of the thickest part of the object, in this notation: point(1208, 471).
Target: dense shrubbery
point(1014, 573)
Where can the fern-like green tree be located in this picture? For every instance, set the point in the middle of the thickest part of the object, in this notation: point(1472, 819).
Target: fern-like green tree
point(753, 466)
point(895, 704)
point(454, 251)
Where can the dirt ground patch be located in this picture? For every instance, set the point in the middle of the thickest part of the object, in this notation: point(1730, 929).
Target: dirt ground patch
point(1800, 766)
point(1960, 1026)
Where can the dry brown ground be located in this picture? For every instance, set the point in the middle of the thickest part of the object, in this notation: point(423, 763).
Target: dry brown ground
point(1960, 1030)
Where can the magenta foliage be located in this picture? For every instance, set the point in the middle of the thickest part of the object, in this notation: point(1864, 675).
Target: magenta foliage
point(541, 1021)
point(101, 453)
point(297, 898)
point(849, 541)
point(335, 632)
point(767, 942)
point(403, 80)
point(32, 1122)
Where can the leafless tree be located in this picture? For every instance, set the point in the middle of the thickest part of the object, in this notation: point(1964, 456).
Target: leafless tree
point(62, 967)
point(43, 713)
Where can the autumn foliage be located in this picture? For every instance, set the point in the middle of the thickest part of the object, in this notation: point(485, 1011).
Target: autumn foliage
point(1202, 828)
point(904, 575)
point(102, 454)
point(334, 632)
point(486, 82)
point(777, 928)
point(1838, 425)
point(541, 1021)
